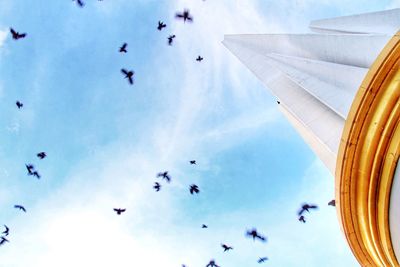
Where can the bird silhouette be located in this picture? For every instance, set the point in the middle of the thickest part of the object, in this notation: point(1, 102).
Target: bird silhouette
point(199, 59)
point(161, 25)
point(16, 35)
point(6, 232)
point(122, 49)
point(119, 211)
point(226, 247)
point(3, 240)
point(192, 162)
point(279, 102)
point(165, 176)
point(128, 75)
point(263, 259)
point(185, 15)
point(41, 155)
point(302, 219)
point(212, 264)
point(19, 104)
point(30, 168)
point(307, 207)
point(171, 39)
point(204, 226)
point(332, 203)
point(157, 186)
point(20, 207)
point(254, 234)
point(80, 3)
point(194, 189)
point(36, 174)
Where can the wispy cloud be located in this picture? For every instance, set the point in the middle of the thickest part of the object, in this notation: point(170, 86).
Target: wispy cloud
point(75, 225)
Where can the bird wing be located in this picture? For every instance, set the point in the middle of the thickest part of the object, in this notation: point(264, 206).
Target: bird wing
point(20, 207)
point(178, 15)
point(301, 212)
point(124, 71)
point(262, 238)
point(130, 80)
point(12, 31)
point(22, 35)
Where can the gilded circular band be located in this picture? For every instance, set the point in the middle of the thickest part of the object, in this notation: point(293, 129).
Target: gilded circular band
point(367, 158)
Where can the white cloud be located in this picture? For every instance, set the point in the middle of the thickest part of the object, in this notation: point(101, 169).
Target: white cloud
point(76, 226)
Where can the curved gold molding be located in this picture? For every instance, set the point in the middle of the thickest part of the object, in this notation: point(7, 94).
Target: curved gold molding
point(368, 153)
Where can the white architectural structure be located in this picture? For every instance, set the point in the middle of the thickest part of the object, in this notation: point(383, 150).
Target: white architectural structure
point(316, 78)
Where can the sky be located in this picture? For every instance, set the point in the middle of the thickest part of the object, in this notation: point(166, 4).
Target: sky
point(106, 140)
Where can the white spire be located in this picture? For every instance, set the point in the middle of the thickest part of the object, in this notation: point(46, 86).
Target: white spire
point(316, 76)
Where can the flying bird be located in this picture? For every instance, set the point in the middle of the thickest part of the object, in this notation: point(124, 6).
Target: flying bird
point(165, 176)
point(261, 260)
point(199, 59)
point(204, 226)
point(302, 219)
point(194, 189)
point(6, 232)
point(119, 211)
point(332, 203)
point(128, 75)
point(16, 35)
point(212, 264)
point(3, 240)
point(41, 155)
point(171, 39)
point(185, 15)
point(122, 49)
point(36, 174)
point(79, 3)
point(161, 25)
point(19, 104)
point(254, 234)
point(226, 247)
point(192, 162)
point(279, 102)
point(30, 168)
point(307, 207)
point(157, 186)
point(20, 207)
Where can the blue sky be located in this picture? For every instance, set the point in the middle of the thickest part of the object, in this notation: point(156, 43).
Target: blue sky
point(106, 140)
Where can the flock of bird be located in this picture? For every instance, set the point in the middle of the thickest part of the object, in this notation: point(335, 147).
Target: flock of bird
point(193, 188)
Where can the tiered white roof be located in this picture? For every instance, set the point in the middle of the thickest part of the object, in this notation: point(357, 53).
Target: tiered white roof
point(316, 76)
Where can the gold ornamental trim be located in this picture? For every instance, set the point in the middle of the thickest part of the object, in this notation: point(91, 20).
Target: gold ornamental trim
point(367, 158)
